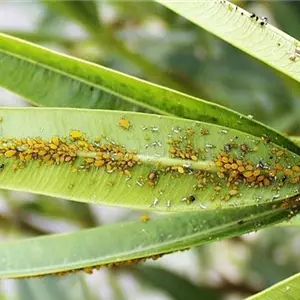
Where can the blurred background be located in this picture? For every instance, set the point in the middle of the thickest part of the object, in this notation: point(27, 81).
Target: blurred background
point(146, 40)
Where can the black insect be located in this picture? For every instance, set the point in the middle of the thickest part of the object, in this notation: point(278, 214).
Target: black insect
point(191, 198)
point(284, 178)
point(253, 16)
point(1, 166)
point(264, 21)
point(240, 222)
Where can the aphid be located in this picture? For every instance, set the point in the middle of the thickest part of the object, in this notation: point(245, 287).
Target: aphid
point(244, 148)
point(145, 218)
point(191, 198)
point(204, 131)
point(253, 16)
point(75, 134)
point(264, 21)
point(202, 206)
point(169, 203)
point(153, 176)
point(292, 57)
point(181, 170)
point(284, 178)
point(124, 123)
point(1, 166)
point(240, 222)
point(266, 139)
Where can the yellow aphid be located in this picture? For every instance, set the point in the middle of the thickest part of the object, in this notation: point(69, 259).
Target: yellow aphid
point(145, 218)
point(124, 123)
point(180, 170)
point(89, 160)
point(233, 192)
point(247, 174)
point(10, 153)
point(55, 140)
point(75, 134)
point(99, 163)
point(288, 172)
point(296, 168)
point(127, 172)
point(256, 172)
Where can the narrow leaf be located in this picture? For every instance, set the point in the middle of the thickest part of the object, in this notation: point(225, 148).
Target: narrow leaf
point(50, 79)
point(141, 161)
point(288, 289)
point(114, 245)
point(246, 31)
point(178, 287)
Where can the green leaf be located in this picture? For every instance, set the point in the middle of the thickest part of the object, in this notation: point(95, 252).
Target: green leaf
point(236, 26)
point(178, 287)
point(51, 287)
point(288, 289)
point(33, 289)
point(63, 81)
point(120, 243)
point(84, 12)
point(140, 160)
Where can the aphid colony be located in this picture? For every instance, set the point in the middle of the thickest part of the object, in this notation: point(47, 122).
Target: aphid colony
point(90, 270)
point(111, 156)
point(226, 170)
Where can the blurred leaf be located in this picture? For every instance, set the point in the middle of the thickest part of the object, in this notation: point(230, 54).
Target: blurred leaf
point(140, 160)
point(81, 12)
point(286, 16)
point(48, 287)
point(51, 287)
point(116, 244)
point(237, 27)
point(73, 82)
point(178, 287)
point(40, 37)
point(288, 289)
point(58, 209)
point(84, 12)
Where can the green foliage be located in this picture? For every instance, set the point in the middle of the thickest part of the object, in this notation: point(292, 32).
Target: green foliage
point(237, 27)
point(287, 289)
point(118, 244)
point(54, 151)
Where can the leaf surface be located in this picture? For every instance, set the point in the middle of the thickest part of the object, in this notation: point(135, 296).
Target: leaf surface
point(288, 289)
point(47, 78)
point(118, 244)
point(246, 31)
point(140, 160)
